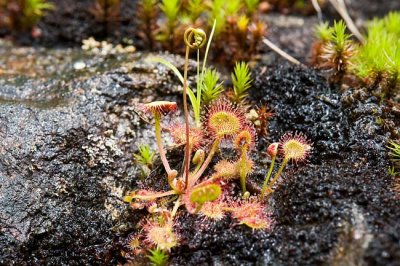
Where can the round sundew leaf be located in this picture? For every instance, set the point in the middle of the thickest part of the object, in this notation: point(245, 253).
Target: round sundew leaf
point(205, 193)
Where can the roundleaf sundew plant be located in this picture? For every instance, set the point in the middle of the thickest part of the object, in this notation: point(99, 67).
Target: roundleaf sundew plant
point(202, 191)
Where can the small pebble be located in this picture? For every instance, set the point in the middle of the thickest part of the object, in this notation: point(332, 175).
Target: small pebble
point(79, 65)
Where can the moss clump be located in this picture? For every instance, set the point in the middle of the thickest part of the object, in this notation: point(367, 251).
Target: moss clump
point(378, 60)
point(334, 50)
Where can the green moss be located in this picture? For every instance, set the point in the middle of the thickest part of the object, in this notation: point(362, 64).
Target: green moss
point(158, 257)
point(145, 155)
point(210, 86)
point(241, 80)
point(218, 14)
point(323, 32)
point(251, 6)
point(170, 8)
point(378, 60)
point(392, 23)
point(339, 36)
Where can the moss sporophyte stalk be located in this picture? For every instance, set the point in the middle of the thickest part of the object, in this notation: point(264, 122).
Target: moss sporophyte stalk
point(203, 191)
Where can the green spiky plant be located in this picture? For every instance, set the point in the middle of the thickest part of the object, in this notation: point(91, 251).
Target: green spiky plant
point(323, 35)
point(33, 11)
point(394, 170)
point(158, 257)
point(232, 8)
point(251, 6)
point(378, 60)
point(217, 14)
point(194, 10)
point(210, 84)
point(394, 148)
point(145, 155)
point(337, 50)
point(323, 32)
point(241, 80)
point(170, 9)
point(169, 31)
point(145, 158)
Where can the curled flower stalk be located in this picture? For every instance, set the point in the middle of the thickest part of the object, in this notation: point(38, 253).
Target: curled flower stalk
point(194, 39)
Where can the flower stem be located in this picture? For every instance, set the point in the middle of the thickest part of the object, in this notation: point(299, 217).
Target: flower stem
point(198, 97)
point(243, 170)
point(161, 151)
point(267, 177)
point(277, 175)
point(171, 173)
point(186, 161)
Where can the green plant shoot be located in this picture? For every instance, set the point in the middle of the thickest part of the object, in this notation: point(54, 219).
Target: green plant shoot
point(241, 80)
point(145, 155)
point(158, 257)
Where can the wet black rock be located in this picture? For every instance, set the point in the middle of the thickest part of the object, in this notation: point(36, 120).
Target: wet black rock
point(64, 164)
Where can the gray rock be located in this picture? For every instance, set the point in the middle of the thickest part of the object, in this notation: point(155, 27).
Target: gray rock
point(66, 148)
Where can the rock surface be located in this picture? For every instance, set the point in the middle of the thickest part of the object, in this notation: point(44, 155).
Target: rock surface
point(66, 152)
